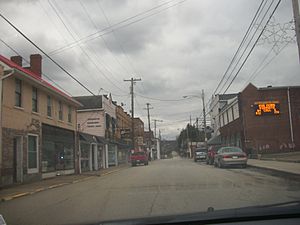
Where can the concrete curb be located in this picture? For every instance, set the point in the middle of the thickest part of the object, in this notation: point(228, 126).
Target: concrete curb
point(277, 171)
point(22, 194)
point(280, 160)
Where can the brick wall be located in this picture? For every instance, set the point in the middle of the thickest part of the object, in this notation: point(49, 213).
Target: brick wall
point(269, 133)
point(8, 153)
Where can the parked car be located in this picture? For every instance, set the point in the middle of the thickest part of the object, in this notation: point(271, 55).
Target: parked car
point(229, 156)
point(139, 157)
point(200, 154)
point(212, 150)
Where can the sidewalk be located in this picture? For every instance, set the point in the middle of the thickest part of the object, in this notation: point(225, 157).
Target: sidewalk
point(19, 190)
point(276, 166)
point(283, 157)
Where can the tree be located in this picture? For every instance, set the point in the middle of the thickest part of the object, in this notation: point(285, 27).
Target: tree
point(190, 133)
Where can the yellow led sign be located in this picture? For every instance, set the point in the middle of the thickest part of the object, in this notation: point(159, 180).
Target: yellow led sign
point(269, 108)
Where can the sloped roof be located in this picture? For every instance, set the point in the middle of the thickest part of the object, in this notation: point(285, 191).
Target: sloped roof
point(36, 78)
point(87, 137)
point(226, 96)
point(90, 102)
point(216, 140)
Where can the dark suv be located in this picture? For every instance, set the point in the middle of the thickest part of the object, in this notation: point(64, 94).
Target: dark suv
point(211, 154)
point(200, 154)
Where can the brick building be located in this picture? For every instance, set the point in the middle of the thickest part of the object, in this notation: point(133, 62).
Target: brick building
point(123, 128)
point(38, 124)
point(138, 132)
point(263, 120)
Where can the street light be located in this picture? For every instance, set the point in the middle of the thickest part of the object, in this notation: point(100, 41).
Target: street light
point(204, 113)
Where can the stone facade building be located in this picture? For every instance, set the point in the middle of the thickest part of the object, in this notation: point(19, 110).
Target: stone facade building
point(38, 124)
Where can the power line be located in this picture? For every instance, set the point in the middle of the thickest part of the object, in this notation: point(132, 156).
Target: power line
point(243, 53)
point(158, 99)
point(82, 49)
point(99, 33)
point(241, 44)
point(103, 39)
point(49, 57)
point(114, 34)
point(253, 46)
point(254, 75)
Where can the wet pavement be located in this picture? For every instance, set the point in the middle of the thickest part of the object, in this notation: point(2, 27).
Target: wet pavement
point(165, 187)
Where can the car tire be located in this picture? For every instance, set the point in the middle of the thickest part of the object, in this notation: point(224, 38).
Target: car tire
point(220, 164)
point(133, 164)
point(207, 162)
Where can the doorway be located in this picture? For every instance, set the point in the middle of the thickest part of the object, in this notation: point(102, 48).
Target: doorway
point(17, 160)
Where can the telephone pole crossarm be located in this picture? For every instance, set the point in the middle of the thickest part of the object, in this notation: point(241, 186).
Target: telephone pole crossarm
point(132, 80)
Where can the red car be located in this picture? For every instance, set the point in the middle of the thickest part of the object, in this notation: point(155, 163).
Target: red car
point(212, 150)
point(139, 157)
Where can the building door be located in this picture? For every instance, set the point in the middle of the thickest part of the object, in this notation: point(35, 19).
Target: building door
point(17, 160)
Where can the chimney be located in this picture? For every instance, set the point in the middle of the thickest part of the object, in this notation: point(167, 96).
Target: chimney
point(17, 60)
point(36, 64)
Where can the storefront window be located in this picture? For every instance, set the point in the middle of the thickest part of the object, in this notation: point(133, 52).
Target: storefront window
point(111, 155)
point(58, 149)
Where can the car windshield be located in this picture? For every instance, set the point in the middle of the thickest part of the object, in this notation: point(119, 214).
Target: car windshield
point(138, 153)
point(229, 150)
point(143, 109)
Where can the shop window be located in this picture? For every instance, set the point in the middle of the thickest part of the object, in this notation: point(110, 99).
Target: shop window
point(58, 149)
point(32, 153)
point(18, 93)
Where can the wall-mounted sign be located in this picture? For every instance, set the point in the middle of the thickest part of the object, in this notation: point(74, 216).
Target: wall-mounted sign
point(267, 108)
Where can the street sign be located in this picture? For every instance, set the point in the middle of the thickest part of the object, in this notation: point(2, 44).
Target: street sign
point(266, 108)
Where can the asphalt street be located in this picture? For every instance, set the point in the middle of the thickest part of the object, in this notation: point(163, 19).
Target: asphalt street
point(165, 187)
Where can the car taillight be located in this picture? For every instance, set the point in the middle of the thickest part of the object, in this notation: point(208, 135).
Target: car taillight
point(227, 156)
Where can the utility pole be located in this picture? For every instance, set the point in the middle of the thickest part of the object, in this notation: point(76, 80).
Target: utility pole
point(156, 139)
point(188, 140)
point(297, 22)
point(149, 125)
point(155, 126)
point(148, 112)
point(190, 120)
point(132, 80)
point(204, 115)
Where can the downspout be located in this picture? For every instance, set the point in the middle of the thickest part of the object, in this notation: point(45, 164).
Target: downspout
point(1, 97)
point(290, 116)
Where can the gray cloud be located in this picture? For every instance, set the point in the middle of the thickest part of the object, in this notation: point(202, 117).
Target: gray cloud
point(177, 52)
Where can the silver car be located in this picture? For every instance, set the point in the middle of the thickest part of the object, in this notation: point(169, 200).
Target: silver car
point(229, 156)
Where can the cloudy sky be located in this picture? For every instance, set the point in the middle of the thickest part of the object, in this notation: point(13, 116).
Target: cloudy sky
point(177, 48)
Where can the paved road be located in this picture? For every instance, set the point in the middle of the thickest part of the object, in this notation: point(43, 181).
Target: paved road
point(164, 187)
